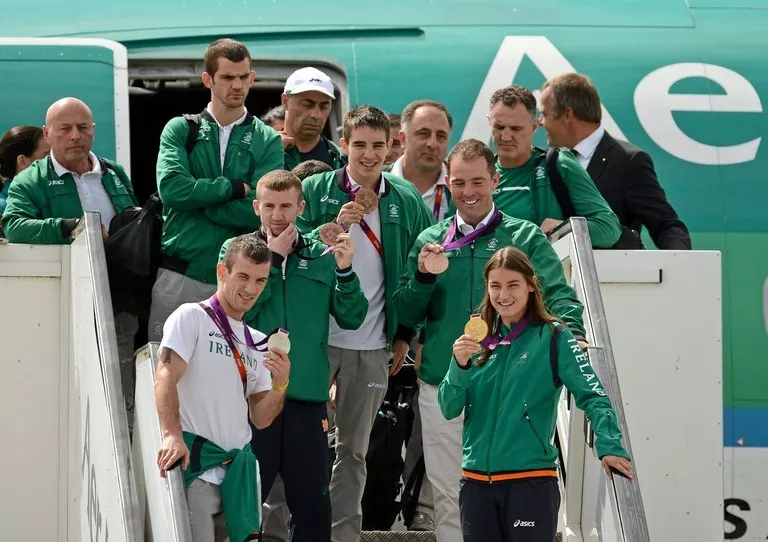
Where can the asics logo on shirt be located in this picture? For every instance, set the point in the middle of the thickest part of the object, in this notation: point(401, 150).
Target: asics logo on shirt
point(519, 523)
point(329, 200)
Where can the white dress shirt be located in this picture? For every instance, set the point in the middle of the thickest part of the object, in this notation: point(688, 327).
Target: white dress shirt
point(90, 188)
point(586, 148)
point(466, 229)
point(430, 195)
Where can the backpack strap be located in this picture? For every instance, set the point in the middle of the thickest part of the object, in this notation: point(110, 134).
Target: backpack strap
point(558, 329)
point(194, 129)
point(557, 183)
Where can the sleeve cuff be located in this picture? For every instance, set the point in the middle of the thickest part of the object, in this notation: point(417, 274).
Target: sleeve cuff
point(458, 375)
point(67, 226)
point(425, 278)
point(404, 334)
point(345, 275)
point(238, 189)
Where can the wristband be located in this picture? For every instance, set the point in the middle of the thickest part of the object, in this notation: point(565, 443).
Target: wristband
point(344, 272)
point(280, 388)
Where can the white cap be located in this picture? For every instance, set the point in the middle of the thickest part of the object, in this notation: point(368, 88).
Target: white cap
point(308, 79)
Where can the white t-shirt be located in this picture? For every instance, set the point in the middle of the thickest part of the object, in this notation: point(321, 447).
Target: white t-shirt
point(211, 399)
point(369, 267)
point(225, 132)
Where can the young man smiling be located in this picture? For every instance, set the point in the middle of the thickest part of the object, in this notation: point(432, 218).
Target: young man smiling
point(211, 378)
point(446, 301)
point(383, 234)
point(306, 286)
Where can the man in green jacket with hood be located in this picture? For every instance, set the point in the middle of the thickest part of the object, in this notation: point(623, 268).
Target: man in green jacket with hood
point(525, 189)
point(308, 283)
point(445, 296)
point(383, 215)
point(208, 193)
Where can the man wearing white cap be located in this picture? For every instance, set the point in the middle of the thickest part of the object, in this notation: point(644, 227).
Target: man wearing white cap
point(307, 102)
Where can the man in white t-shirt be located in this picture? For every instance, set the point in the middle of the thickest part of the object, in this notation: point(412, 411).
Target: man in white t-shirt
point(212, 375)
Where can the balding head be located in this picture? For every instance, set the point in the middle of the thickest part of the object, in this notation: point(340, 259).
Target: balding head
point(69, 129)
point(67, 106)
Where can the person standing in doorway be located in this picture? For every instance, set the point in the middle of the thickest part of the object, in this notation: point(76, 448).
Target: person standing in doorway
point(207, 171)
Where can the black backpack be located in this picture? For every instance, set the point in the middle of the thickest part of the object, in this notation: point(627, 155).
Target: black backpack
point(629, 239)
point(133, 248)
point(384, 463)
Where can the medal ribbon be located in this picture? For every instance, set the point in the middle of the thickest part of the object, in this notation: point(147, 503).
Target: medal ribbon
point(366, 228)
point(219, 317)
point(492, 342)
point(438, 201)
point(449, 244)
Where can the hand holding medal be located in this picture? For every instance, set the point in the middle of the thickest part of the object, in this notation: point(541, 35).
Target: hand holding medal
point(279, 341)
point(468, 344)
point(367, 199)
point(329, 233)
point(432, 259)
point(276, 359)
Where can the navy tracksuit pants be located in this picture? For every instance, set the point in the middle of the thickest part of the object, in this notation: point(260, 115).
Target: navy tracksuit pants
point(522, 510)
point(296, 446)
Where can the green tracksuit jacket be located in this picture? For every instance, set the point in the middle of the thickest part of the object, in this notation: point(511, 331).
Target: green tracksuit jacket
point(339, 159)
point(240, 490)
point(510, 404)
point(38, 201)
point(525, 192)
point(199, 212)
point(403, 217)
point(302, 302)
point(446, 301)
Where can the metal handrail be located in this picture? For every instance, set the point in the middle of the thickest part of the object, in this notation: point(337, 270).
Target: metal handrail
point(182, 529)
point(110, 363)
point(627, 494)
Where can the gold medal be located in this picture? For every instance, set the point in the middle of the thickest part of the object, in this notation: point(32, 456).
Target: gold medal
point(476, 328)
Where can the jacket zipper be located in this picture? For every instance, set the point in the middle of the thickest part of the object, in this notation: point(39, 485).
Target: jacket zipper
point(535, 433)
point(471, 276)
point(495, 421)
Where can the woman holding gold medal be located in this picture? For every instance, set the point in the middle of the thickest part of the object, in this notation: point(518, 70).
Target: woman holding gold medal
point(506, 376)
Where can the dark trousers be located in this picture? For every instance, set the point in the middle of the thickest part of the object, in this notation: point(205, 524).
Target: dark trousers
point(514, 511)
point(296, 446)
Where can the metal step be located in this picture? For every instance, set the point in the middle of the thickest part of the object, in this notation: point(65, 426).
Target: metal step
point(398, 536)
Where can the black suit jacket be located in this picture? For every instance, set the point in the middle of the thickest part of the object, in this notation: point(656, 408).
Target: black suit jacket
point(625, 176)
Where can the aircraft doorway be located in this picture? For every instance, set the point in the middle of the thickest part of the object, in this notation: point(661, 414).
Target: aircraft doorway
point(161, 90)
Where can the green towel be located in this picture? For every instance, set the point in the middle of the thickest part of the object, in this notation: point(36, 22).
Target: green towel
point(240, 490)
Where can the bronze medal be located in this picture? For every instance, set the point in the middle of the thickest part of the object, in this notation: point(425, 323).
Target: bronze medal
point(436, 263)
point(367, 199)
point(476, 328)
point(330, 232)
